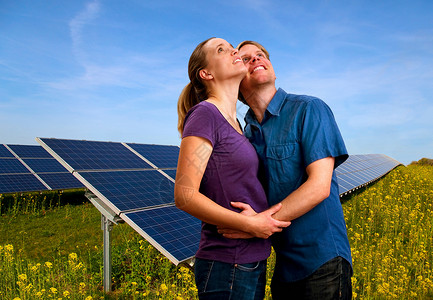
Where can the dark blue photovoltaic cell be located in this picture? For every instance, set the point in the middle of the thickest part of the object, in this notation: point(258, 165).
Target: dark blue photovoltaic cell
point(175, 230)
point(45, 165)
point(132, 189)
point(161, 156)
point(4, 152)
point(41, 162)
point(91, 155)
point(344, 186)
point(29, 151)
point(20, 183)
point(61, 181)
point(171, 173)
point(358, 170)
point(12, 166)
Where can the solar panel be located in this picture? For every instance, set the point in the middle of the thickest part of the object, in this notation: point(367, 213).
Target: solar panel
point(32, 161)
point(127, 190)
point(4, 152)
point(29, 151)
point(135, 182)
point(93, 155)
point(171, 173)
point(13, 183)
point(14, 176)
point(61, 181)
point(359, 170)
point(12, 166)
point(45, 165)
point(174, 232)
point(161, 156)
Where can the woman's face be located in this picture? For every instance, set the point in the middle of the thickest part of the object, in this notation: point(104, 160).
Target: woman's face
point(223, 61)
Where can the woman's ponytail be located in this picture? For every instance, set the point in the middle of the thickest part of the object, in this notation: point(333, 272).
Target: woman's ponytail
point(195, 91)
point(187, 99)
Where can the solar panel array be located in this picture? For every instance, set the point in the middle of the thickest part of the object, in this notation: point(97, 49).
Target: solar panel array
point(28, 168)
point(135, 182)
point(360, 170)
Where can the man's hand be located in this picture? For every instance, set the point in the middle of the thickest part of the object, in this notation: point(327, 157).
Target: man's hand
point(262, 225)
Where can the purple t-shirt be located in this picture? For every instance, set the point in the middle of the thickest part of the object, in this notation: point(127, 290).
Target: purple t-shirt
point(230, 175)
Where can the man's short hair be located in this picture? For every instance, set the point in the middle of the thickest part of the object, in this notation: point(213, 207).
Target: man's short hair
point(244, 43)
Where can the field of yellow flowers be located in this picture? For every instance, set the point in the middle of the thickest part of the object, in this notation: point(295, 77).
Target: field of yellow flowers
point(390, 228)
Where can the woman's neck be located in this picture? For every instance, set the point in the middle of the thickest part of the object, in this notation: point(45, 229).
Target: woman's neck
point(225, 97)
point(227, 108)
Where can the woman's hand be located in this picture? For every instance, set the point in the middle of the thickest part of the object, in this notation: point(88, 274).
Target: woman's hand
point(261, 225)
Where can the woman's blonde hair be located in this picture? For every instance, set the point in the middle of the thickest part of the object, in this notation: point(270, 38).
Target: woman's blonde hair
point(195, 91)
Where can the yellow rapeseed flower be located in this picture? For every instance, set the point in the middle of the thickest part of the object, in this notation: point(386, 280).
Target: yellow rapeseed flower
point(164, 288)
point(34, 268)
point(28, 288)
point(48, 264)
point(22, 277)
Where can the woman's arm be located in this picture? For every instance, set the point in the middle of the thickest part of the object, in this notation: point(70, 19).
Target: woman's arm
point(193, 158)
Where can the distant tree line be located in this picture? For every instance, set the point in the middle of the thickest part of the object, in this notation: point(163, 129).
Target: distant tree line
point(423, 162)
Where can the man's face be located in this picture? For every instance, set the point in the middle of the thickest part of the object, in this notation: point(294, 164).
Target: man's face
point(260, 70)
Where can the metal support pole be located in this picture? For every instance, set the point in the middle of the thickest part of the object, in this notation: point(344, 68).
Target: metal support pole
point(107, 226)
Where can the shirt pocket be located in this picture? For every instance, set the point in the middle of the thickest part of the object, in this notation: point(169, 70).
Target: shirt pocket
point(282, 162)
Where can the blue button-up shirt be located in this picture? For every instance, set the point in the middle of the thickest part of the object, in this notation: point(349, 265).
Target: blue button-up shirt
point(297, 130)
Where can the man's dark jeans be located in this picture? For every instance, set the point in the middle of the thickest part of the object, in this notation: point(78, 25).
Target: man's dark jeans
point(331, 281)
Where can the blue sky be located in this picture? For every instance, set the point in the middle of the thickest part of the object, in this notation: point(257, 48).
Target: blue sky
point(113, 70)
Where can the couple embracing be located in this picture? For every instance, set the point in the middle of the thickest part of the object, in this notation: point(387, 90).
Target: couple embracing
point(271, 183)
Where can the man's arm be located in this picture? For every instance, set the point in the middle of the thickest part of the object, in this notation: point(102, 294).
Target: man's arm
point(314, 190)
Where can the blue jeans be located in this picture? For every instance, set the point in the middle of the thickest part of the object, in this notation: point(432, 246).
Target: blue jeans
point(331, 281)
point(218, 280)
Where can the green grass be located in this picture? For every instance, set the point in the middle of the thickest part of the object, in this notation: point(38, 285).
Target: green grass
point(56, 232)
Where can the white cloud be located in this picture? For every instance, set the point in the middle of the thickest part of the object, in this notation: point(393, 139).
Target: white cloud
point(77, 24)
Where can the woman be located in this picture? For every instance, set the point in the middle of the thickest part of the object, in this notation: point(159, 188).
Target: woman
point(217, 165)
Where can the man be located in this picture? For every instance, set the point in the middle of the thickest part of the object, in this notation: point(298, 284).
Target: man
point(300, 145)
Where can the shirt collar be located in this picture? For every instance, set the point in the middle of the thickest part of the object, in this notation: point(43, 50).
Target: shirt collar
point(274, 107)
